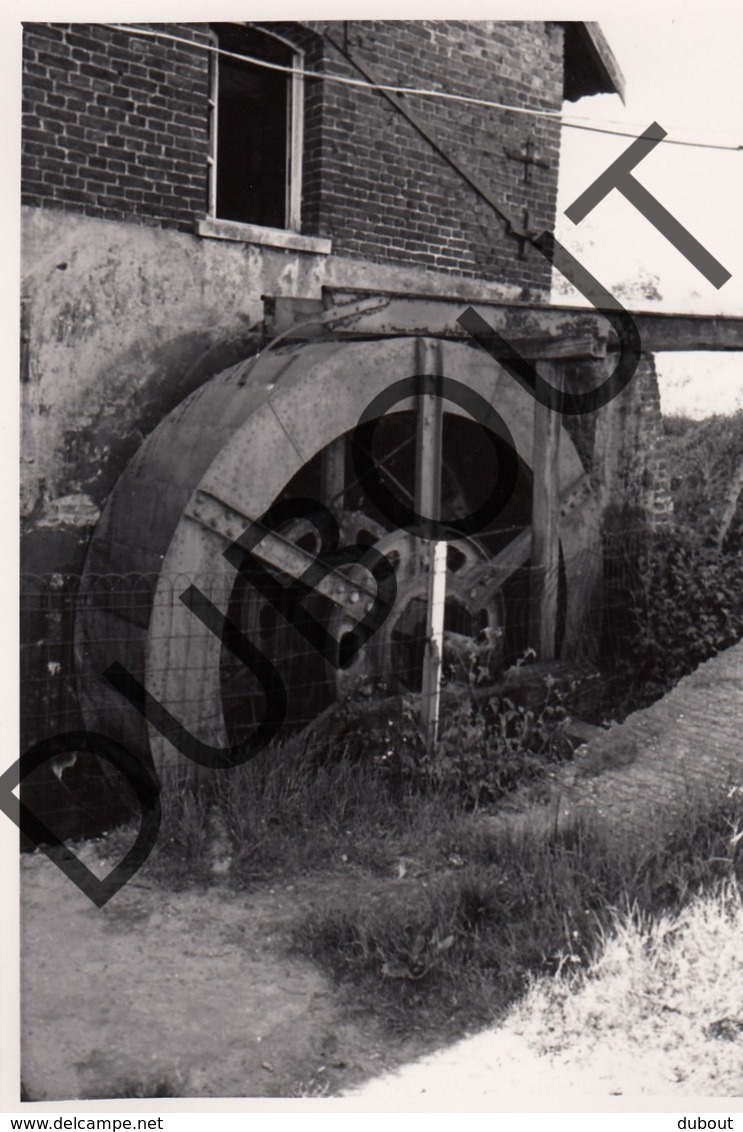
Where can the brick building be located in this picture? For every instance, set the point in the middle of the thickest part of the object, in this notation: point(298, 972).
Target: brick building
point(191, 191)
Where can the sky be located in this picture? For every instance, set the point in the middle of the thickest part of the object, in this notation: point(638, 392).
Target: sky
point(683, 70)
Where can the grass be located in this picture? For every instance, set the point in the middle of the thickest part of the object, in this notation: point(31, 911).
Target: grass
point(444, 917)
point(664, 995)
point(157, 1086)
point(453, 950)
point(373, 799)
point(297, 808)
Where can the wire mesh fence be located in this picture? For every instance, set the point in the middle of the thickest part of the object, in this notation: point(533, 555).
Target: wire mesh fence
point(75, 627)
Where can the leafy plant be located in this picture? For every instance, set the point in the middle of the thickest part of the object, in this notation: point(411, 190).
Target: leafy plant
point(682, 604)
point(705, 460)
point(485, 747)
point(486, 750)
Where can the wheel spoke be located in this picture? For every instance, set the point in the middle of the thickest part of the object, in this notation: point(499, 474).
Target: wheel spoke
point(274, 549)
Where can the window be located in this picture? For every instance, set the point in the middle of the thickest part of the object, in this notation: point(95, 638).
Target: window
point(256, 161)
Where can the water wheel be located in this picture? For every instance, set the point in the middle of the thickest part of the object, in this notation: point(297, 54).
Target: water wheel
point(278, 427)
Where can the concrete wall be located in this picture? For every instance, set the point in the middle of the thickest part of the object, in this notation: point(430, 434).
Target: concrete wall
point(122, 322)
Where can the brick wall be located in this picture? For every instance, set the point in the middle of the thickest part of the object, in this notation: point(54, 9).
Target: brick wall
point(653, 483)
point(386, 194)
point(116, 126)
point(628, 460)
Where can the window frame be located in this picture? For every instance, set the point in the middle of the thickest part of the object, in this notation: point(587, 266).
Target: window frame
point(294, 134)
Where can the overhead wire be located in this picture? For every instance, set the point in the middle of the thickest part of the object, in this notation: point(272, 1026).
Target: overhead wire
point(418, 92)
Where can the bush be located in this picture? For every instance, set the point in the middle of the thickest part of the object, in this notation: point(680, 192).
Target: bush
point(704, 459)
point(677, 601)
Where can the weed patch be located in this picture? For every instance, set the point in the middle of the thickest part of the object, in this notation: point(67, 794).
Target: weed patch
point(368, 799)
point(454, 948)
point(674, 601)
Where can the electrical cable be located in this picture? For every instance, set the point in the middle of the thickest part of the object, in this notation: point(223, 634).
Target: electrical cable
point(418, 92)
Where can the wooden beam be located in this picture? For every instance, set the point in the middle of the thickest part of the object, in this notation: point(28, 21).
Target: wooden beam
point(433, 655)
point(333, 473)
point(590, 65)
point(427, 495)
point(671, 332)
point(429, 425)
point(545, 523)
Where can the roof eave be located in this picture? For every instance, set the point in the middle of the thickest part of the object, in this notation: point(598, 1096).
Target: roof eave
point(590, 65)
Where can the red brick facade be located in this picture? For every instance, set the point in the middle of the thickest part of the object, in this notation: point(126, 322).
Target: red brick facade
point(116, 125)
point(383, 190)
point(113, 126)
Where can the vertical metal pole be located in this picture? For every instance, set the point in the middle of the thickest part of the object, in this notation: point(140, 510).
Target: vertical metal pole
point(211, 159)
point(545, 521)
point(434, 653)
point(428, 450)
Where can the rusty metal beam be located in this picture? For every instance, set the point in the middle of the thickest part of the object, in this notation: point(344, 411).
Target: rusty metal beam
point(497, 570)
point(297, 319)
point(525, 323)
point(294, 320)
point(273, 549)
point(468, 175)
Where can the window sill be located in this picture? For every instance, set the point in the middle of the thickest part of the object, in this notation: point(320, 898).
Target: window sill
point(255, 234)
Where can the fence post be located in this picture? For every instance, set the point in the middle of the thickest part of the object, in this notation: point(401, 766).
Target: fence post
point(434, 650)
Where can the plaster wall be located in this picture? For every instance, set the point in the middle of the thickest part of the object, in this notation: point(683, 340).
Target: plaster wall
point(122, 322)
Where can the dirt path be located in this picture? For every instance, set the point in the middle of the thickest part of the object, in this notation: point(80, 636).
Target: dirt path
point(499, 1069)
point(181, 994)
point(635, 777)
